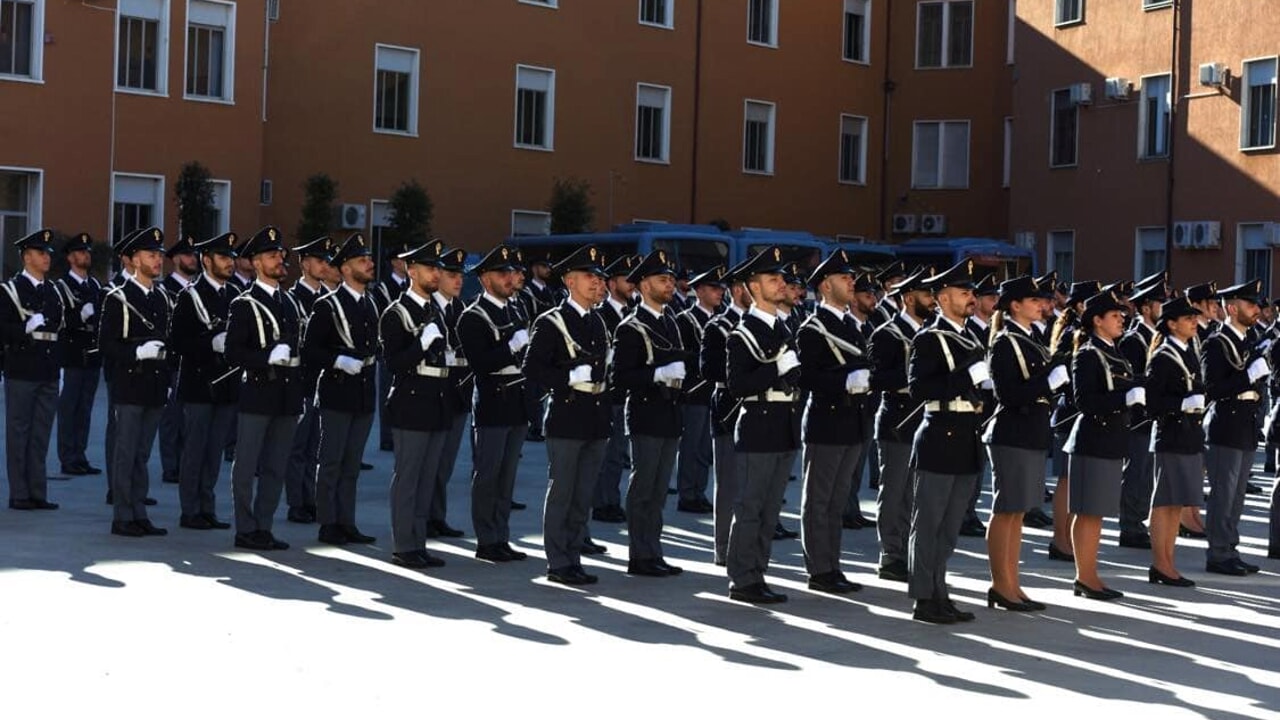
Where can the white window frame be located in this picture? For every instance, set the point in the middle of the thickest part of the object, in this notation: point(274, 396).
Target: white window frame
point(1156, 4)
point(1077, 20)
point(1051, 248)
point(158, 212)
point(1053, 123)
point(1006, 172)
point(37, 47)
point(530, 213)
point(1246, 109)
point(1139, 247)
point(773, 25)
point(162, 59)
point(665, 158)
point(862, 151)
point(770, 138)
point(228, 57)
point(551, 4)
point(222, 203)
point(415, 76)
point(1241, 249)
point(550, 119)
point(1144, 119)
point(866, 33)
point(942, 152)
point(944, 62)
point(671, 15)
point(35, 208)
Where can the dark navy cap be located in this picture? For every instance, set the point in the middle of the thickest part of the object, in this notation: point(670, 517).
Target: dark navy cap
point(426, 254)
point(1178, 308)
point(79, 241)
point(1251, 291)
point(1083, 290)
point(1156, 292)
point(353, 247)
point(41, 239)
point(185, 246)
point(1122, 289)
point(321, 247)
point(151, 238)
point(502, 258)
point(587, 258)
point(714, 276)
point(865, 282)
point(1021, 288)
point(1100, 304)
point(959, 275)
point(622, 266)
point(766, 262)
point(894, 269)
point(454, 260)
point(837, 263)
point(987, 287)
point(914, 281)
point(1202, 292)
point(655, 263)
point(265, 240)
point(224, 244)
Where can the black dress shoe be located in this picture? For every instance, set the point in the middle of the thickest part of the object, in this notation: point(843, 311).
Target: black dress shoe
point(73, 470)
point(960, 615)
point(1226, 567)
point(512, 553)
point(215, 523)
point(43, 505)
point(194, 522)
point(1248, 566)
point(252, 541)
point(1186, 532)
point(1056, 554)
point(411, 560)
point(534, 436)
point(517, 505)
point(1252, 489)
point(1078, 588)
point(273, 542)
point(387, 447)
point(332, 535)
point(149, 501)
point(781, 533)
point(169, 480)
point(896, 571)
point(23, 504)
point(692, 506)
point(87, 469)
point(610, 514)
point(1155, 577)
point(1273, 553)
point(1037, 518)
point(431, 560)
point(442, 529)
point(149, 529)
point(668, 568)
point(492, 553)
point(973, 527)
point(834, 583)
point(931, 612)
point(646, 568)
point(355, 536)
point(590, 548)
point(300, 515)
point(127, 528)
point(757, 594)
point(570, 575)
point(995, 599)
point(365, 466)
point(1141, 541)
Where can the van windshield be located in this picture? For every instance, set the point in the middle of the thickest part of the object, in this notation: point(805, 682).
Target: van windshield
point(694, 254)
point(807, 257)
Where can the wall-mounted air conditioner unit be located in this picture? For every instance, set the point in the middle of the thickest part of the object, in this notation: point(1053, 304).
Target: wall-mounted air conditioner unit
point(904, 224)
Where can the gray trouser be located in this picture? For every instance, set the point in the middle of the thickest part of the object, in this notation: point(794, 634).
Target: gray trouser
point(728, 492)
point(300, 477)
point(693, 462)
point(1228, 470)
point(762, 479)
point(608, 491)
point(1135, 485)
point(135, 433)
point(652, 459)
point(29, 407)
point(384, 392)
point(572, 469)
point(444, 471)
point(412, 483)
point(495, 457)
point(828, 477)
point(171, 440)
point(262, 448)
point(75, 413)
point(342, 439)
point(109, 438)
point(938, 506)
point(853, 508)
point(984, 479)
point(893, 503)
point(205, 436)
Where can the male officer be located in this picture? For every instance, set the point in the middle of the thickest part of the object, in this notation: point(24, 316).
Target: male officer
point(713, 364)
point(342, 340)
point(536, 297)
point(78, 356)
point(412, 332)
point(567, 354)
point(694, 459)
point(649, 362)
point(264, 334)
point(493, 337)
point(207, 389)
point(384, 292)
point(447, 298)
point(300, 477)
point(835, 369)
point(887, 309)
point(946, 373)
point(860, 310)
point(607, 503)
point(172, 422)
point(32, 314)
point(762, 373)
point(985, 294)
point(133, 335)
point(1135, 488)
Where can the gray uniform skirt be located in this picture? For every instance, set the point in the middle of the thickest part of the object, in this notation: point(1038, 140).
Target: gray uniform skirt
point(1095, 485)
point(1017, 478)
point(1179, 480)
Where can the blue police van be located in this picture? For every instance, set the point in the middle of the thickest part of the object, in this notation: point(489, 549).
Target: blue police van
point(997, 257)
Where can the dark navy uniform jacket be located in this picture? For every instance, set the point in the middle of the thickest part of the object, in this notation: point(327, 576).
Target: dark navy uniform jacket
point(947, 440)
point(306, 299)
point(31, 357)
point(1100, 379)
point(485, 329)
point(420, 385)
point(1134, 345)
point(564, 338)
point(762, 426)
point(132, 316)
point(830, 347)
point(1172, 376)
point(1232, 420)
point(643, 343)
point(258, 321)
point(692, 324)
point(78, 341)
point(890, 351)
point(341, 324)
point(199, 315)
point(713, 361)
point(613, 317)
point(461, 380)
point(1020, 376)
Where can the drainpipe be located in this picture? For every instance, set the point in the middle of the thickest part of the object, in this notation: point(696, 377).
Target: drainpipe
point(1175, 100)
point(697, 106)
point(887, 89)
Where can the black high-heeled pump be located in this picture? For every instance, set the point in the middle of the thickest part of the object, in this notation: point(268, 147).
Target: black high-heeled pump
point(1186, 532)
point(1056, 554)
point(994, 598)
point(1033, 604)
point(1156, 577)
point(1099, 594)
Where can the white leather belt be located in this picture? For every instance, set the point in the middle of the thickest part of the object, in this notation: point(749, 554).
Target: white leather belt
point(458, 362)
point(673, 384)
point(773, 396)
point(45, 336)
point(291, 362)
point(957, 406)
point(507, 370)
point(365, 362)
point(1197, 411)
point(722, 386)
point(588, 387)
point(903, 391)
point(1249, 395)
point(431, 371)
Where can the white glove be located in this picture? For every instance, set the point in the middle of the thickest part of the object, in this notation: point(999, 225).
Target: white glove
point(518, 341)
point(858, 381)
point(348, 365)
point(1058, 377)
point(580, 374)
point(430, 334)
point(34, 322)
point(86, 312)
point(1193, 402)
point(219, 342)
point(279, 354)
point(1265, 345)
point(1135, 396)
point(670, 371)
point(787, 362)
point(149, 350)
point(979, 372)
point(987, 384)
point(1258, 369)
point(450, 357)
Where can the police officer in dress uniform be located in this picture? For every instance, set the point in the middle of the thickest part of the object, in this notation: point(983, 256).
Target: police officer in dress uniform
point(207, 391)
point(447, 298)
point(985, 294)
point(536, 297)
point(888, 278)
point(835, 369)
point(607, 503)
point(412, 331)
point(172, 422)
point(32, 314)
point(493, 337)
point(78, 356)
point(713, 364)
point(385, 291)
point(1135, 489)
point(300, 475)
point(264, 337)
point(694, 459)
point(133, 334)
point(568, 354)
point(860, 310)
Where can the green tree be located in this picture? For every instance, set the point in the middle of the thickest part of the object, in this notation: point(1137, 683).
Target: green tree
point(194, 194)
point(411, 214)
point(570, 206)
point(317, 207)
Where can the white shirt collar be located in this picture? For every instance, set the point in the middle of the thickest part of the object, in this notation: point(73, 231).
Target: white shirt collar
point(354, 294)
point(145, 290)
point(181, 280)
point(266, 288)
point(767, 318)
point(1104, 341)
point(742, 311)
point(398, 279)
point(952, 323)
point(981, 323)
point(705, 309)
point(82, 279)
point(655, 313)
point(617, 306)
point(1177, 343)
point(412, 294)
point(576, 306)
point(888, 300)
point(915, 325)
point(784, 314)
point(538, 283)
point(210, 279)
point(1239, 335)
point(31, 278)
point(832, 309)
point(303, 281)
point(441, 300)
point(500, 303)
point(246, 280)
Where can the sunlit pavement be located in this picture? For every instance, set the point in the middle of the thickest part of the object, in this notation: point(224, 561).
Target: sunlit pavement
point(188, 626)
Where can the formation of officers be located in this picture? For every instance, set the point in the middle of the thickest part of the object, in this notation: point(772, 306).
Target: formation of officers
point(927, 377)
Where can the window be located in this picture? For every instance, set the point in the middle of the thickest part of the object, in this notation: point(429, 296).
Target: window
point(379, 221)
point(142, 45)
point(1007, 172)
point(137, 201)
point(530, 222)
point(1253, 254)
point(20, 195)
point(1258, 109)
point(940, 155)
point(210, 49)
point(1062, 254)
point(853, 149)
point(21, 35)
point(762, 22)
point(535, 107)
point(1068, 11)
point(543, 3)
point(656, 12)
point(220, 218)
point(653, 122)
point(757, 137)
point(857, 30)
point(944, 34)
point(1063, 121)
point(1149, 255)
point(1156, 4)
point(395, 90)
point(1153, 123)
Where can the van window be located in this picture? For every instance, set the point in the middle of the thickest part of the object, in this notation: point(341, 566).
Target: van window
point(694, 254)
